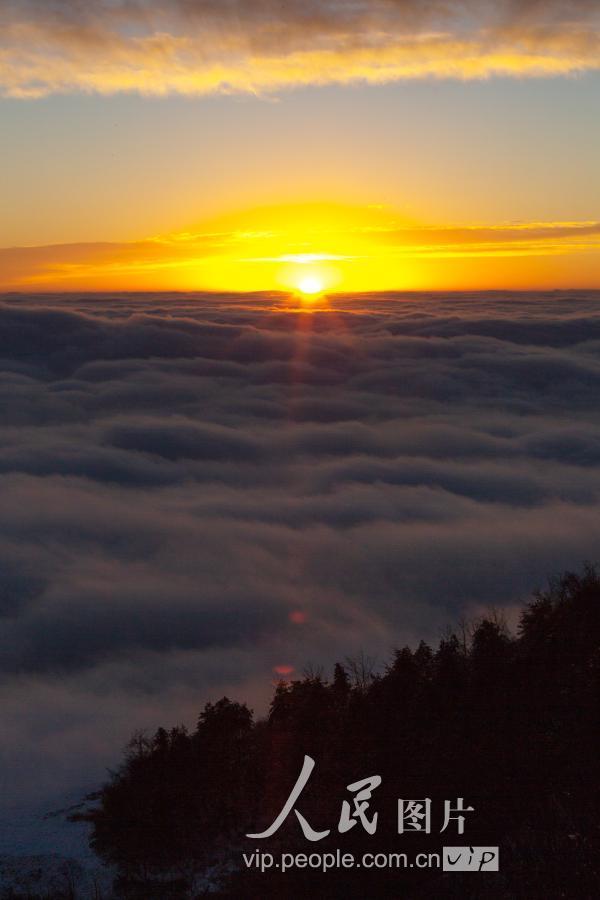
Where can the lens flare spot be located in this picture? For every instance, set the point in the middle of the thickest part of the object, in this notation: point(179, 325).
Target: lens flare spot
point(283, 670)
point(297, 617)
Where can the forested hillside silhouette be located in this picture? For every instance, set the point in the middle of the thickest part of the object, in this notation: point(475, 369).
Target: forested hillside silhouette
point(509, 723)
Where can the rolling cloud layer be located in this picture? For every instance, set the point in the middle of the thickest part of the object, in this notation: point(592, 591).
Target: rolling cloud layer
point(198, 490)
point(207, 46)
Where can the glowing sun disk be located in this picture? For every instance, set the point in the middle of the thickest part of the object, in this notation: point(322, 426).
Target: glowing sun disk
point(310, 284)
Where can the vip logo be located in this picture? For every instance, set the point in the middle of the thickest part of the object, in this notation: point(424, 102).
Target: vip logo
point(471, 859)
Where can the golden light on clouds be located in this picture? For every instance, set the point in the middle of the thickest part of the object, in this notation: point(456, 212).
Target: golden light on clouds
point(244, 46)
point(317, 248)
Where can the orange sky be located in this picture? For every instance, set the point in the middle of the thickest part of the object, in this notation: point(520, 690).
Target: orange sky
point(327, 247)
point(449, 145)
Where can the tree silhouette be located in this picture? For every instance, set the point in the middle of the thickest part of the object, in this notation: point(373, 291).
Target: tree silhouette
point(510, 723)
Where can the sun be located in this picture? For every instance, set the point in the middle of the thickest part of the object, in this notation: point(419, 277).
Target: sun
point(310, 285)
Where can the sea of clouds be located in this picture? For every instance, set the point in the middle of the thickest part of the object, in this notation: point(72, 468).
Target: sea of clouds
point(198, 490)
